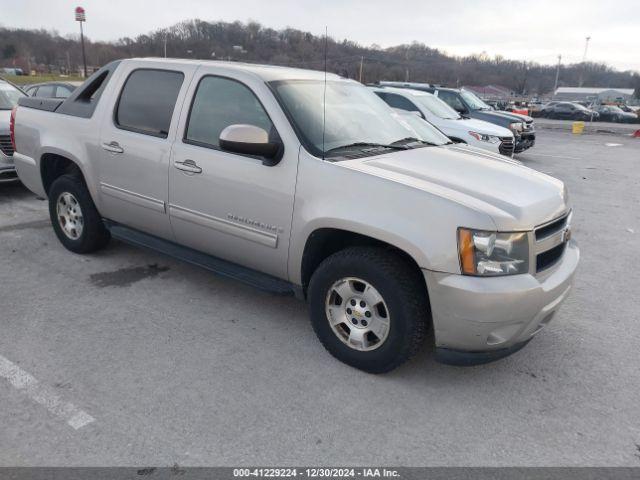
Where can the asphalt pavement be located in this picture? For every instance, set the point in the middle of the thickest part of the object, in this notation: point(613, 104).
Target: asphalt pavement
point(128, 357)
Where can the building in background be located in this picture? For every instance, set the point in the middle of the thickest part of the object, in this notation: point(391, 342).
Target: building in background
point(587, 94)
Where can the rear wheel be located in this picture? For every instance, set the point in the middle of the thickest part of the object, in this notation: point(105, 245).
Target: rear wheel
point(369, 308)
point(74, 216)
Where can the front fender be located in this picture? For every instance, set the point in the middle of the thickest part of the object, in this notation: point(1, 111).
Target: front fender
point(420, 223)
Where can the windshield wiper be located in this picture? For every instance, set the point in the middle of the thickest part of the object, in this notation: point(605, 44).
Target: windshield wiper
point(409, 140)
point(368, 145)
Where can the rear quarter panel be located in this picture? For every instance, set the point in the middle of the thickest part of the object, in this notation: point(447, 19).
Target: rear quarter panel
point(39, 132)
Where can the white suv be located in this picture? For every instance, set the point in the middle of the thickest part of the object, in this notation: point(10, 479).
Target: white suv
point(477, 133)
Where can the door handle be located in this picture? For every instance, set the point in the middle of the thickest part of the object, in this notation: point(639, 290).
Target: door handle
point(187, 166)
point(113, 147)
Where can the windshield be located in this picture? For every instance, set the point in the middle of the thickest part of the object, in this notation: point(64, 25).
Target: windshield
point(9, 96)
point(421, 129)
point(437, 107)
point(354, 115)
point(474, 102)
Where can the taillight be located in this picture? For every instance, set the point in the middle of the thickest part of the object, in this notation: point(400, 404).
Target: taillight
point(12, 127)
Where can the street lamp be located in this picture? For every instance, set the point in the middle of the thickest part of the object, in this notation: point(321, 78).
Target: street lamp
point(81, 18)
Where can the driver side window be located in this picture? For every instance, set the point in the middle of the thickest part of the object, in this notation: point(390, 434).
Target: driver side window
point(218, 103)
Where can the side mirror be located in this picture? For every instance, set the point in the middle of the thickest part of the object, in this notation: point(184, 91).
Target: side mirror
point(251, 140)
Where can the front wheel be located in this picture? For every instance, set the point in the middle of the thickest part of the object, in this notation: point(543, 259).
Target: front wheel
point(74, 216)
point(369, 308)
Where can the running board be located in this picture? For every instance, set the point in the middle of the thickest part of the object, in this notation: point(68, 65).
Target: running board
point(216, 265)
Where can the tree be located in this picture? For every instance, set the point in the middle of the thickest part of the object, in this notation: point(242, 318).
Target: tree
point(9, 51)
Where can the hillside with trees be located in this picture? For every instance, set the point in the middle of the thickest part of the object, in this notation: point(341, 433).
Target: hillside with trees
point(49, 52)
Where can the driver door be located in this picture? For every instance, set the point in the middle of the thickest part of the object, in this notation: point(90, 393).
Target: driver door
point(231, 205)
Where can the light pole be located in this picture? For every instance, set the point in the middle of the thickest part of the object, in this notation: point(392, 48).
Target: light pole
point(586, 46)
point(555, 87)
point(584, 59)
point(81, 18)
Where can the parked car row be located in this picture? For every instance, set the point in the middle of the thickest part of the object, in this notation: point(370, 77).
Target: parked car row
point(305, 183)
point(460, 129)
point(578, 111)
point(467, 104)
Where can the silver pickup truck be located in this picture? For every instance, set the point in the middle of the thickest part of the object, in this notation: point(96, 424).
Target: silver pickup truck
point(306, 183)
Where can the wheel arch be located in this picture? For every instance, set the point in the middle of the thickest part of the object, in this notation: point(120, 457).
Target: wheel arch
point(54, 165)
point(325, 241)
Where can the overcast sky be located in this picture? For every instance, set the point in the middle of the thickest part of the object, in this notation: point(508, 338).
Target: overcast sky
point(528, 30)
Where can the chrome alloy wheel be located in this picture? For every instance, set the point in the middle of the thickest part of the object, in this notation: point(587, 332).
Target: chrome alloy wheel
point(69, 215)
point(357, 313)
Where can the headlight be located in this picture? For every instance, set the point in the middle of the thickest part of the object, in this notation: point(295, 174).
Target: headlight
point(516, 126)
point(485, 253)
point(485, 138)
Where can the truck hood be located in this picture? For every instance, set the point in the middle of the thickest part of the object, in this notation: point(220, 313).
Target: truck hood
point(514, 196)
point(479, 126)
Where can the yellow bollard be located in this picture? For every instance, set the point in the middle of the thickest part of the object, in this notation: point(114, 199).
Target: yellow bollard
point(577, 128)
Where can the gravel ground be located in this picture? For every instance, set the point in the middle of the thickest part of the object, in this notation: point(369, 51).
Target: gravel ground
point(171, 364)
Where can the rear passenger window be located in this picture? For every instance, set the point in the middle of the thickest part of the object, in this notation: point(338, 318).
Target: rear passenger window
point(218, 103)
point(147, 101)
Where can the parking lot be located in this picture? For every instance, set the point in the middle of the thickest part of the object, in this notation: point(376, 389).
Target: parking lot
point(133, 358)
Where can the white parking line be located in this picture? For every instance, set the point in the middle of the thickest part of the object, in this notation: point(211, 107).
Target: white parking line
point(43, 394)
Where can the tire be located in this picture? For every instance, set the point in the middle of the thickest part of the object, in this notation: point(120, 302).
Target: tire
point(403, 298)
point(71, 194)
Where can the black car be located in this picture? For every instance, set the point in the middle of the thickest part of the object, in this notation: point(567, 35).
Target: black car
point(544, 111)
point(468, 104)
point(571, 111)
point(612, 113)
point(52, 89)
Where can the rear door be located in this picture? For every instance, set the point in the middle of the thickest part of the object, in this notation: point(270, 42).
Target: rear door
point(136, 139)
point(226, 204)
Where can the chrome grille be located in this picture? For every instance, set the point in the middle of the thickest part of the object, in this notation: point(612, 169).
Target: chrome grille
point(551, 240)
point(5, 145)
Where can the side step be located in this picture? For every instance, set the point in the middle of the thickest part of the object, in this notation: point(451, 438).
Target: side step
point(216, 265)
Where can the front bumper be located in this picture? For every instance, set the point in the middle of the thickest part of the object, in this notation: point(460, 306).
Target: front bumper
point(489, 318)
point(524, 141)
point(7, 169)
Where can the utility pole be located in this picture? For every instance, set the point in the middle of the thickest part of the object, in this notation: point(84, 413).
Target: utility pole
point(361, 66)
point(406, 74)
point(524, 80)
point(165, 44)
point(555, 87)
point(81, 18)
